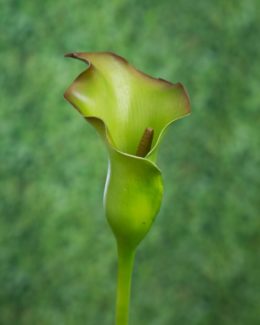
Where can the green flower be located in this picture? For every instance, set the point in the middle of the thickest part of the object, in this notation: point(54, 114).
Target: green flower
point(131, 112)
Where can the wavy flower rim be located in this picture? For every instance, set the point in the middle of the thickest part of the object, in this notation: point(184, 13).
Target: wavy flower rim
point(108, 137)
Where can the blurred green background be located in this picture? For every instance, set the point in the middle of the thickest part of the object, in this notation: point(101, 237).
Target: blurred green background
point(57, 256)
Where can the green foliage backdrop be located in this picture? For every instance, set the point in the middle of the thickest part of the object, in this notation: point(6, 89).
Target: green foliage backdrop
point(198, 266)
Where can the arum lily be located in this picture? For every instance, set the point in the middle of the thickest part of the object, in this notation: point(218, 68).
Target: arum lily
point(130, 110)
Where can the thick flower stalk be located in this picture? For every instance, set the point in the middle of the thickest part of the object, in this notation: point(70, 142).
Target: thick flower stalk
point(131, 111)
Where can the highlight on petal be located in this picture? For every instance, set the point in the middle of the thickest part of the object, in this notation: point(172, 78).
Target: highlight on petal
point(128, 101)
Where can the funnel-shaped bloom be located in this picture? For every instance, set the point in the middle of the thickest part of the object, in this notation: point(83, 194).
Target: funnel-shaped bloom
point(131, 111)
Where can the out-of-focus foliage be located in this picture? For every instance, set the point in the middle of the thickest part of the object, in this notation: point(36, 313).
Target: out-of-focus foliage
point(198, 266)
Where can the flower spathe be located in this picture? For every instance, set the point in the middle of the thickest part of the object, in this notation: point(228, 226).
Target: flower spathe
point(131, 111)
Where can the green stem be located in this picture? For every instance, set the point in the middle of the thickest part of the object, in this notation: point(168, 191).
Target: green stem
point(125, 268)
